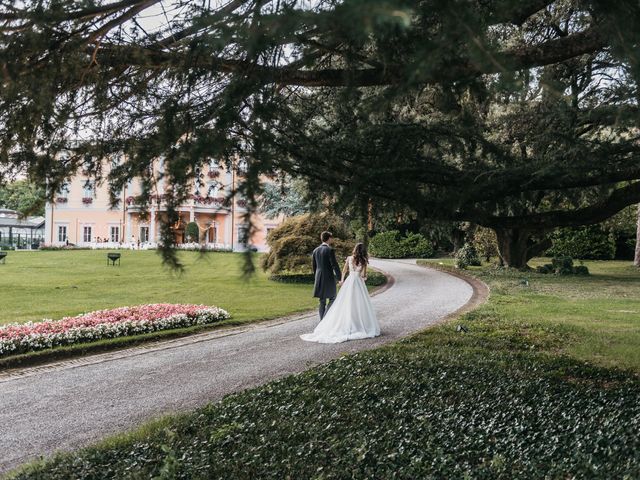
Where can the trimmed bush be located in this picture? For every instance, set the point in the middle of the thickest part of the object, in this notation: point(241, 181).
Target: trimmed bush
point(562, 266)
point(388, 245)
point(392, 245)
point(467, 256)
point(291, 244)
point(586, 243)
point(418, 246)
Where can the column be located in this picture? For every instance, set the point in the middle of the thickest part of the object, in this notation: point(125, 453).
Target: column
point(48, 225)
point(227, 231)
point(128, 231)
point(152, 225)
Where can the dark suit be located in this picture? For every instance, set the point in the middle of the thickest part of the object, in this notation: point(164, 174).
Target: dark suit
point(327, 272)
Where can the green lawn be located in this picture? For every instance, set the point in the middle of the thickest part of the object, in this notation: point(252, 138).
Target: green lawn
point(53, 284)
point(545, 384)
point(595, 318)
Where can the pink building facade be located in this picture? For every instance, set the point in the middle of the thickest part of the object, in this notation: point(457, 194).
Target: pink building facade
point(80, 215)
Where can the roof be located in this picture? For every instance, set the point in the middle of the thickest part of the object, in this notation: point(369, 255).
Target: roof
point(10, 218)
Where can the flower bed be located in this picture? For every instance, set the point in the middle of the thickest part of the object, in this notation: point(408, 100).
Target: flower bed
point(18, 338)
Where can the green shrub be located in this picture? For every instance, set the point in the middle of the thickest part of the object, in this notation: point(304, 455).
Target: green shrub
point(581, 270)
point(392, 245)
point(192, 232)
point(387, 245)
point(545, 269)
point(417, 246)
point(587, 243)
point(291, 244)
point(562, 266)
point(467, 256)
point(486, 243)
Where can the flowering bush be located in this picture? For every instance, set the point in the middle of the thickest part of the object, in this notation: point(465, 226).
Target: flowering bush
point(118, 322)
point(61, 200)
point(87, 200)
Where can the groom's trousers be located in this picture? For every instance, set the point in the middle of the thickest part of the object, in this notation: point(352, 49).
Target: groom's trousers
point(324, 306)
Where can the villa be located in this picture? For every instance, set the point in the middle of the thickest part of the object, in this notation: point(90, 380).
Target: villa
point(81, 215)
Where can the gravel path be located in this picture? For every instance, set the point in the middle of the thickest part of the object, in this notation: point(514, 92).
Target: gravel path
point(71, 404)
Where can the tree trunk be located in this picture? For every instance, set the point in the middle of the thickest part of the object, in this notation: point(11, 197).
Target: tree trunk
point(636, 260)
point(516, 247)
point(513, 247)
point(457, 238)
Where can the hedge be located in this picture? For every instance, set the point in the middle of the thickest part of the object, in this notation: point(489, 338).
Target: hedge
point(393, 245)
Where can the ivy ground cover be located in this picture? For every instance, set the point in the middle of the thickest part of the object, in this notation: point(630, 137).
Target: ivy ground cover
point(18, 338)
point(514, 397)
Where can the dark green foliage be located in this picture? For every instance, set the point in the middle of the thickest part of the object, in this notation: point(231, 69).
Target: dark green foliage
point(580, 270)
point(443, 404)
point(291, 244)
point(192, 232)
point(392, 245)
point(504, 113)
point(587, 243)
point(563, 266)
point(287, 197)
point(417, 246)
point(467, 256)
point(388, 245)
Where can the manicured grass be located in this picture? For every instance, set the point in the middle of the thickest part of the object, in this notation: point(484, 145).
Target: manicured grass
point(529, 391)
point(53, 284)
point(597, 316)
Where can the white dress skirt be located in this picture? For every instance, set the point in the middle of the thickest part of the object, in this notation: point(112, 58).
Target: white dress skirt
point(351, 317)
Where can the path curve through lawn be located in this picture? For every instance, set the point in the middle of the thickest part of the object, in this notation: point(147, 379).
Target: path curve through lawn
point(74, 403)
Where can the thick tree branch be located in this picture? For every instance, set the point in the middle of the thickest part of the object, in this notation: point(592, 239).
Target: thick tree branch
point(594, 213)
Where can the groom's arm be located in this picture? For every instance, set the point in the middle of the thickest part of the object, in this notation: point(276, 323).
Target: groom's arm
point(315, 264)
point(334, 264)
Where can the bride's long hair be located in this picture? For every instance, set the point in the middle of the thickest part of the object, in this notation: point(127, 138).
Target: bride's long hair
point(360, 256)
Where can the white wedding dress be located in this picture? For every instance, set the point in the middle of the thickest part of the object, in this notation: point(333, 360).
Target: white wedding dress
point(351, 316)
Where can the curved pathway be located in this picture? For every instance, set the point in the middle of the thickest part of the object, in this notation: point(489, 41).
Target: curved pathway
point(71, 404)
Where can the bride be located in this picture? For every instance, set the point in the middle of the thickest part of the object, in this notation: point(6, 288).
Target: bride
point(351, 316)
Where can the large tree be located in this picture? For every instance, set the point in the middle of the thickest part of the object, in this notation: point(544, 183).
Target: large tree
point(518, 115)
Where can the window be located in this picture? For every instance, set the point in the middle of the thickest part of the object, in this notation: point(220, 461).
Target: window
point(243, 232)
point(63, 191)
point(86, 234)
point(88, 189)
point(213, 189)
point(62, 233)
point(144, 234)
point(114, 234)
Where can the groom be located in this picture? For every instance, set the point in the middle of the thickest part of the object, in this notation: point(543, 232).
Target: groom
point(326, 272)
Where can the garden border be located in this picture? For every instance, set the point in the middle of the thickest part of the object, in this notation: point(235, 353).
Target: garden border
point(89, 353)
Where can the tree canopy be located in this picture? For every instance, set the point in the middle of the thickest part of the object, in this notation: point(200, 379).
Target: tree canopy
point(518, 115)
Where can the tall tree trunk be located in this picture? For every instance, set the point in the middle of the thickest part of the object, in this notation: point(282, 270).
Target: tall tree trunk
point(513, 248)
point(636, 260)
point(516, 247)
